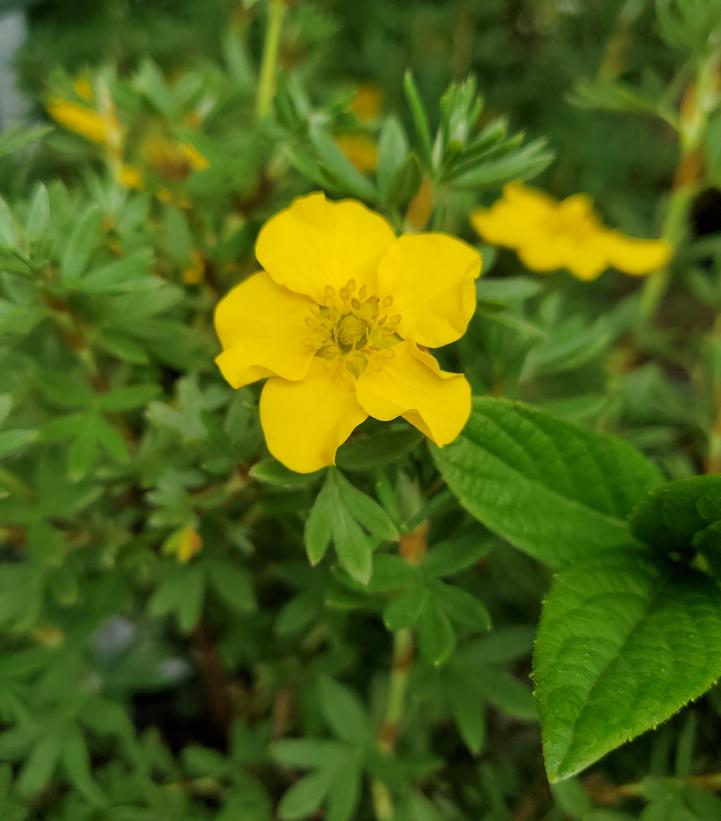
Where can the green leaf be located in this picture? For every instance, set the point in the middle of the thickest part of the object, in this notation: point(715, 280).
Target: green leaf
point(458, 552)
point(39, 216)
point(272, 472)
point(436, 637)
point(460, 606)
point(40, 765)
point(307, 753)
point(405, 609)
point(345, 792)
point(77, 766)
point(18, 137)
point(12, 440)
point(366, 510)
point(82, 454)
point(81, 243)
point(319, 525)
point(352, 545)
point(130, 397)
point(624, 642)
point(673, 513)
point(420, 118)
point(378, 449)
point(343, 711)
point(181, 593)
point(557, 491)
point(306, 795)
point(466, 709)
point(346, 177)
point(233, 585)
point(392, 152)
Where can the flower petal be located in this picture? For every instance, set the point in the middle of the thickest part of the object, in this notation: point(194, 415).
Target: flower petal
point(431, 278)
point(315, 243)
point(509, 220)
point(412, 385)
point(636, 256)
point(261, 327)
point(306, 422)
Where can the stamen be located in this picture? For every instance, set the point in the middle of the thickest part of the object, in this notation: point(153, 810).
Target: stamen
point(387, 301)
point(363, 293)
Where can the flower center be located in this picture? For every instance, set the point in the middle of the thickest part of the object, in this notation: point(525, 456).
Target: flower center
point(353, 326)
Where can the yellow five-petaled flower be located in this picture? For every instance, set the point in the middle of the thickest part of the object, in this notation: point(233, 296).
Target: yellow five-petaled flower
point(548, 234)
point(339, 320)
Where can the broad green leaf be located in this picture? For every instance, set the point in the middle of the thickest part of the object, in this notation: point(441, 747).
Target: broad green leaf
point(672, 514)
point(557, 491)
point(624, 642)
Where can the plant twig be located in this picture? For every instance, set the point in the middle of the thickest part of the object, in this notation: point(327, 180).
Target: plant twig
point(269, 65)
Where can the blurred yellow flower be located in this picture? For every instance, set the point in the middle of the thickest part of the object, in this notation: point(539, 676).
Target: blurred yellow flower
point(367, 103)
point(339, 320)
point(360, 150)
point(130, 176)
point(173, 159)
point(103, 128)
point(83, 88)
point(548, 234)
point(183, 543)
point(195, 272)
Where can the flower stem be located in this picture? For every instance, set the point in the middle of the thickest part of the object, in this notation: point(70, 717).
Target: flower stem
point(698, 102)
point(271, 46)
point(412, 547)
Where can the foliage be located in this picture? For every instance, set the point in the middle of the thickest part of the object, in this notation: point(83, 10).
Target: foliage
point(496, 629)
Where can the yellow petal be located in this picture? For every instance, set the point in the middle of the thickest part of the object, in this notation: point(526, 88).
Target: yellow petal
point(636, 256)
point(412, 385)
point(130, 176)
point(261, 327)
point(360, 150)
point(99, 128)
point(306, 422)
point(509, 221)
point(431, 278)
point(316, 243)
point(367, 102)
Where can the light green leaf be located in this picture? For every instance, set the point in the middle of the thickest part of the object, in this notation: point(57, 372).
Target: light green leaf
point(624, 643)
point(555, 490)
point(81, 243)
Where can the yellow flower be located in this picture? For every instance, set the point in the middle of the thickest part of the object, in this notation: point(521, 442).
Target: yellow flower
point(195, 272)
point(99, 127)
point(367, 102)
point(130, 176)
point(548, 234)
point(83, 88)
point(183, 543)
point(174, 160)
point(360, 150)
point(337, 319)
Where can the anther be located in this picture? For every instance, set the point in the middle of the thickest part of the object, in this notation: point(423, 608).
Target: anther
point(350, 285)
point(363, 293)
point(387, 301)
point(344, 294)
point(315, 309)
point(394, 320)
point(355, 304)
point(310, 322)
point(329, 292)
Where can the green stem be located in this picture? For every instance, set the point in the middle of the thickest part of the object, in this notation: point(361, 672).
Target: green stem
point(388, 733)
point(699, 101)
point(674, 232)
point(269, 65)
